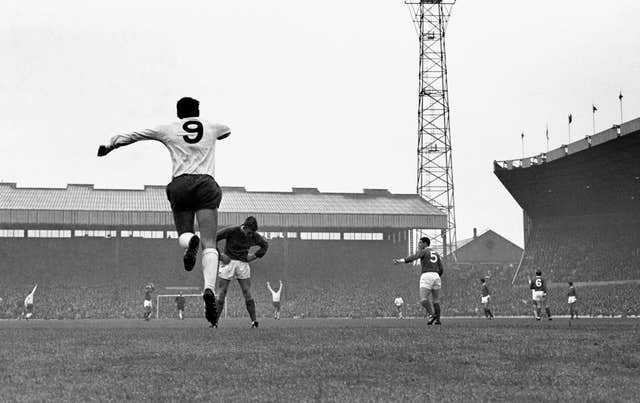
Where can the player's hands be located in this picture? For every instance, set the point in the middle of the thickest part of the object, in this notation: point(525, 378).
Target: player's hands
point(104, 150)
point(224, 258)
point(397, 261)
point(251, 257)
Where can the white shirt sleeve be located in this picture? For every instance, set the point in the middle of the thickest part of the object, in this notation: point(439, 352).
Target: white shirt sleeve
point(221, 130)
point(124, 139)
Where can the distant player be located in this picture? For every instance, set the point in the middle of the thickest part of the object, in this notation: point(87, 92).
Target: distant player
point(193, 192)
point(399, 303)
point(572, 298)
point(485, 299)
point(180, 305)
point(275, 297)
point(235, 263)
point(430, 282)
point(539, 295)
point(28, 304)
point(147, 304)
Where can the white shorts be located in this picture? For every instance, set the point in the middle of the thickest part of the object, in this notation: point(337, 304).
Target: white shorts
point(430, 280)
point(235, 269)
point(485, 300)
point(537, 296)
point(147, 303)
point(572, 300)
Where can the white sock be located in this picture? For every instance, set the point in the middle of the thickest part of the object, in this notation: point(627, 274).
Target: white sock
point(184, 239)
point(210, 267)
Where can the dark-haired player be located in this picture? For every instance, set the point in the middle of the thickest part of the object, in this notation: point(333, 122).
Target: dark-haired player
point(147, 304)
point(430, 282)
point(193, 192)
point(539, 295)
point(235, 263)
point(485, 299)
point(572, 298)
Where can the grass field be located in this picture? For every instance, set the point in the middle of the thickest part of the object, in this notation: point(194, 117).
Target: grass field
point(321, 360)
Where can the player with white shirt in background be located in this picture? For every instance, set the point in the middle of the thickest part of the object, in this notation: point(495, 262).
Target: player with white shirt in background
point(28, 304)
point(193, 192)
point(399, 303)
point(275, 297)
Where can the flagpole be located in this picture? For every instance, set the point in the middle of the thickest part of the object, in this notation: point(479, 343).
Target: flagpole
point(620, 98)
point(569, 128)
point(593, 118)
point(547, 138)
point(522, 141)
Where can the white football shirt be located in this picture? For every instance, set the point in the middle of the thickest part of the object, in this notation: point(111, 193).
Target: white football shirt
point(191, 143)
point(275, 294)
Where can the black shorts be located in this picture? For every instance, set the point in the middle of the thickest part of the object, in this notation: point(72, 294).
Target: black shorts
point(276, 304)
point(193, 192)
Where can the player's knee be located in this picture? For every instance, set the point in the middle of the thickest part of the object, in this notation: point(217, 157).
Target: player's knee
point(184, 238)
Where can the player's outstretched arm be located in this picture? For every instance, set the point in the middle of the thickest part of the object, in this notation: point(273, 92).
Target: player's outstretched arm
point(129, 138)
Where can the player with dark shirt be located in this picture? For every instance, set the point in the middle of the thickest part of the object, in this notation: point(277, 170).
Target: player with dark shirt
point(180, 305)
point(572, 298)
point(430, 282)
point(147, 304)
point(539, 295)
point(486, 299)
point(235, 263)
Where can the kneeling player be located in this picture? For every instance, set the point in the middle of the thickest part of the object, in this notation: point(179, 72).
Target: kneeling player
point(539, 295)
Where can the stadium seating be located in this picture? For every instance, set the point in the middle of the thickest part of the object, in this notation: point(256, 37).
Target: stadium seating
point(321, 278)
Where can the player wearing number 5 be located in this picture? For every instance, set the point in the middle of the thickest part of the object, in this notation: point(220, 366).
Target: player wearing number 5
point(430, 282)
point(193, 192)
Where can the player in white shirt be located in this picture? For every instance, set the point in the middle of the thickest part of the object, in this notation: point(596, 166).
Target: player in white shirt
point(275, 297)
point(193, 192)
point(399, 303)
point(28, 303)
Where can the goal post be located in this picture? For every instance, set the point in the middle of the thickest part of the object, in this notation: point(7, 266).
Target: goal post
point(194, 306)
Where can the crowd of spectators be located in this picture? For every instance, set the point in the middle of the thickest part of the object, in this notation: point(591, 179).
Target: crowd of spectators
point(333, 281)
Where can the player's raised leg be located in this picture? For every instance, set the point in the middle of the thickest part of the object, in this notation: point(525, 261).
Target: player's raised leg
point(188, 240)
point(208, 224)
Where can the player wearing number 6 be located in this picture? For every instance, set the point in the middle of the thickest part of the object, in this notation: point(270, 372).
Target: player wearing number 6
point(430, 282)
point(539, 295)
point(193, 192)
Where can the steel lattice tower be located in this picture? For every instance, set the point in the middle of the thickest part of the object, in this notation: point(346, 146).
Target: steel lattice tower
point(435, 167)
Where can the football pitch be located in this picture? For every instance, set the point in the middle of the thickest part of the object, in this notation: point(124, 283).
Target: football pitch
point(321, 360)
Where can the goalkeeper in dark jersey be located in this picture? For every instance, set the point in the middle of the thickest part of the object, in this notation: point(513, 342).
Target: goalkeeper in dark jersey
point(430, 282)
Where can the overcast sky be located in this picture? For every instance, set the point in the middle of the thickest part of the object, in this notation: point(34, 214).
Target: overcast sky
point(318, 94)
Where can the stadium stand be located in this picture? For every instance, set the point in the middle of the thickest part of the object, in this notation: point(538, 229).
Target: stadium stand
point(581, 206)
